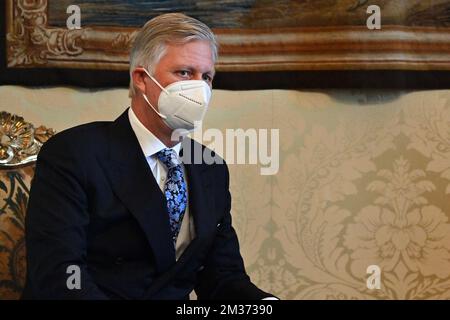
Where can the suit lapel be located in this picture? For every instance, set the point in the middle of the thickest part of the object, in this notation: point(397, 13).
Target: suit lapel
point(201, 197)
point(135, 185)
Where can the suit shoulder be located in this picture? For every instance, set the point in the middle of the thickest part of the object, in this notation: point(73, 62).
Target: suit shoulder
point(80, 136)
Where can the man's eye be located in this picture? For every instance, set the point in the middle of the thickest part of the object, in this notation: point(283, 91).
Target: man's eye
point(207, 78)
point(184, 73)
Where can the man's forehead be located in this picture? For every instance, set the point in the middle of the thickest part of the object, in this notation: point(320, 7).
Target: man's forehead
point(193, 55)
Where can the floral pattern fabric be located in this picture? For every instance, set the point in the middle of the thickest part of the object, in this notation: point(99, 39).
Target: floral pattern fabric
point(14, 193)
point(363, 179)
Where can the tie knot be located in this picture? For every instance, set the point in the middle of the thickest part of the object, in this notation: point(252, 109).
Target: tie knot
point(168, 157)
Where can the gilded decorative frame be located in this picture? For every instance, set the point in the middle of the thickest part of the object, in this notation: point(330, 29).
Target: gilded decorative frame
point(31, 43)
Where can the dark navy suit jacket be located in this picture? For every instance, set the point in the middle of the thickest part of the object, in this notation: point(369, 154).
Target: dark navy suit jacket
point(94, 203)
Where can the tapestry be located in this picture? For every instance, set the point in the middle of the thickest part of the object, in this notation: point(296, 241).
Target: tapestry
point(254, 36)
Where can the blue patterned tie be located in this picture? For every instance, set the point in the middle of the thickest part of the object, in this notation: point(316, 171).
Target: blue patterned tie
point(174, 190)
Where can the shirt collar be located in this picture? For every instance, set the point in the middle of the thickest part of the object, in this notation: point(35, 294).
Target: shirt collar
point(149, 143)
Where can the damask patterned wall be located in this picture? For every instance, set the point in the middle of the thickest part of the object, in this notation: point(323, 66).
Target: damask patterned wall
point(364, 179)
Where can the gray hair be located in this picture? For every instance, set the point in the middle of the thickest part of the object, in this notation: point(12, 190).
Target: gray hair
point(150, 43)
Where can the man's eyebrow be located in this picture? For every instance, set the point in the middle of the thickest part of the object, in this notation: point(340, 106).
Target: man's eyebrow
point(183, 67)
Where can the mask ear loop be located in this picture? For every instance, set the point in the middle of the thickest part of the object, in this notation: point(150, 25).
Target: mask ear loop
point(145, 96)
point(159, 114)
point(156, 82)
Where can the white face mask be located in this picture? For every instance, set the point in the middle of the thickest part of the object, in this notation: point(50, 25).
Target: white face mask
point(182, 104)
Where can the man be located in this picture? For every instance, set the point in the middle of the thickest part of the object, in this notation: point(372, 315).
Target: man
point(113, 212)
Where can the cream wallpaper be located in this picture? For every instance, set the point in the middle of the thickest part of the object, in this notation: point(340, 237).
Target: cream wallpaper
point(364, 179)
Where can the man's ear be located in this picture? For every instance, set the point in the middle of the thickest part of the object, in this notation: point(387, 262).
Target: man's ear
point(139, 76)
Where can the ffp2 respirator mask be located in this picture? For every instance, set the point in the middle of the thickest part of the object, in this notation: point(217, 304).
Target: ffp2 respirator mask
point(182, 104)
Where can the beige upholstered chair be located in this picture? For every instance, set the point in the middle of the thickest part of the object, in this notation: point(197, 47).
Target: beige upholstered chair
point(20, 143)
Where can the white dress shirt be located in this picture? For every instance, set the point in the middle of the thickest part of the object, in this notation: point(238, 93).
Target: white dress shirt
point(151, 145)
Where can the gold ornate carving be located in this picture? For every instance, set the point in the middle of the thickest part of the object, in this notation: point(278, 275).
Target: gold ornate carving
point(123, 40)
point(20, 142)
point(31, 42)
